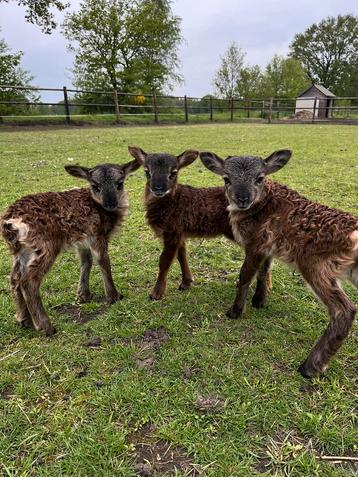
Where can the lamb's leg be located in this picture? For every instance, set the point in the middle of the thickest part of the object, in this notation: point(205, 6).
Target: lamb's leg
point(263, 285)
point(83, 293)
point(248, 271)
point(167, 256)
point(100, 251)
point(187, 278)
point(341, 312)
point(31, 278)
point(23, 316)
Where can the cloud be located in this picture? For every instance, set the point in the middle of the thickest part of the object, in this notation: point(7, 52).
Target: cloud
point(261, 27)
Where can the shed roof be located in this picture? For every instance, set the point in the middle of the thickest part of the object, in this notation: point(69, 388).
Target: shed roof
point(320, 88)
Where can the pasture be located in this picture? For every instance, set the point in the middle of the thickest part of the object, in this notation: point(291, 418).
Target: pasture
point(175, 381)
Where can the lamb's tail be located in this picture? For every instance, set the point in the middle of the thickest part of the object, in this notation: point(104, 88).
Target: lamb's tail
point(13, 231)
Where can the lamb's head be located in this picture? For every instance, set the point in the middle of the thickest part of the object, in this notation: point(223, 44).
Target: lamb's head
point(106, 181)
point(244, 176)
point(162, 169)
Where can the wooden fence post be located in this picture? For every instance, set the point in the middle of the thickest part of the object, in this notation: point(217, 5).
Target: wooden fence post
point(155, 108)
point(232, 109)
point(278, 110)
point(116, 106)
point(314, 110)
point(270, 111)
point(248, 108)
point(186, 109)
point(211, 108)
point(263, 110)
point(67, 107)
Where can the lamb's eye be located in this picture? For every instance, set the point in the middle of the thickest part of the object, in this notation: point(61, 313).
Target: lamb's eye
point(226, 180)
point(119, 185)
point(259, 180)
point(95, 187)
point(147, 173)
point(173, 174)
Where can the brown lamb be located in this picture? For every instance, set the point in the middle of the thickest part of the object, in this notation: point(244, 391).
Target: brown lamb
point(37, 227)
point(270, 220)
point(176, 212)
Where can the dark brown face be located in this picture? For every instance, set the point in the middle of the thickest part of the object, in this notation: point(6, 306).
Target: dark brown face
point(161, 169)
point(106, 181)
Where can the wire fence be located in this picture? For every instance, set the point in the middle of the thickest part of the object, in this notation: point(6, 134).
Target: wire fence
point(23, 105)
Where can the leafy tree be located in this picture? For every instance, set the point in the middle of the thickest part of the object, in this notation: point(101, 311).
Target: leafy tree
point(129, 45)
point(328, 52)
point(11, 74)
point(38, 12)
point(284, 78)
point(251, 82)
point(228, 75)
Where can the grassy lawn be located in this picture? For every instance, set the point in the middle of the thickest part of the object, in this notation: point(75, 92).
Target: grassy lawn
point(216, 397)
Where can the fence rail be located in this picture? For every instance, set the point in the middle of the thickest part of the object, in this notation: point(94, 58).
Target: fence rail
point(19, 104)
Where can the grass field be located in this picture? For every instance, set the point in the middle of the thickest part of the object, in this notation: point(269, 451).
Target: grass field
point(210, 396)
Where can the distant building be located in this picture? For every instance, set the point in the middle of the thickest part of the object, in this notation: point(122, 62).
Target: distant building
point(319, 94)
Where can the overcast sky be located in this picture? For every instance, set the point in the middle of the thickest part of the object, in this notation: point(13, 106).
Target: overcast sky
point(261, 27)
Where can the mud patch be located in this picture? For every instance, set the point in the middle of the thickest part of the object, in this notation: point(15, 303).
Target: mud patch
point(210, 403)
point(148, 344)
point(153, 339)
point(79, 315)
point(6, 393)
point(93, 342)
point(309, 388)
point(154, 456)
point(190, 372)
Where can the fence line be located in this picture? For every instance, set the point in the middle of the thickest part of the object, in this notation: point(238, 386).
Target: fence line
point(121, 106)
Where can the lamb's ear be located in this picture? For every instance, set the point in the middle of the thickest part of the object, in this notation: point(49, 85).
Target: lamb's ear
point(130, 167)
point(212, 162)
point(277, 160)
point(186, 158)
point(78, 171)
point(138, 154)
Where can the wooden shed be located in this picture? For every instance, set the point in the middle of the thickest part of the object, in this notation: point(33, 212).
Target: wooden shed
point(316, 99)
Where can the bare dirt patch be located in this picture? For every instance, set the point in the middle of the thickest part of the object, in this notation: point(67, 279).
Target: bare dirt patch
point(154, 456)
point(153, 339)
point(148, 344)
point(79, 315)
point(93, 342)
point(209, 403)
point(6, 393)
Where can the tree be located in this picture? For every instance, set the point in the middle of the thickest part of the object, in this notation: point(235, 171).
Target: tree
point(328, 51)
point(38, 12)
point(129, 45)
point(251, 82)
point(11, 74)
point(227, 76)
point(284, 78)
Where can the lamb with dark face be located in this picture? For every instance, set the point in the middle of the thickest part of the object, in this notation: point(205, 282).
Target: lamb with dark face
point(106, 181)
point(244, 176)
point(162, 169)
point(271, 220)
point(37, 227)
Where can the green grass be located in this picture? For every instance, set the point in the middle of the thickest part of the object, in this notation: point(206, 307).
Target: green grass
point(69, 410)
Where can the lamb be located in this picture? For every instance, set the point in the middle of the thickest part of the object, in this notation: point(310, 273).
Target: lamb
point(176, 212)
point(270, 220)
point(37, 227)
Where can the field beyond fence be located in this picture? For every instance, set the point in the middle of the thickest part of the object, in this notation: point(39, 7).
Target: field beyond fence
point(24, 105)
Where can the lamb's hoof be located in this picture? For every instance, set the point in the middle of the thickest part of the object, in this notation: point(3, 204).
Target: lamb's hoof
point(49, 330)
point(114, 297)
point(308, 371)
point(258, 301)
point(84, 297)
point(155, 296)
point(27, 323)
point(232, 314)
point(185, 286)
